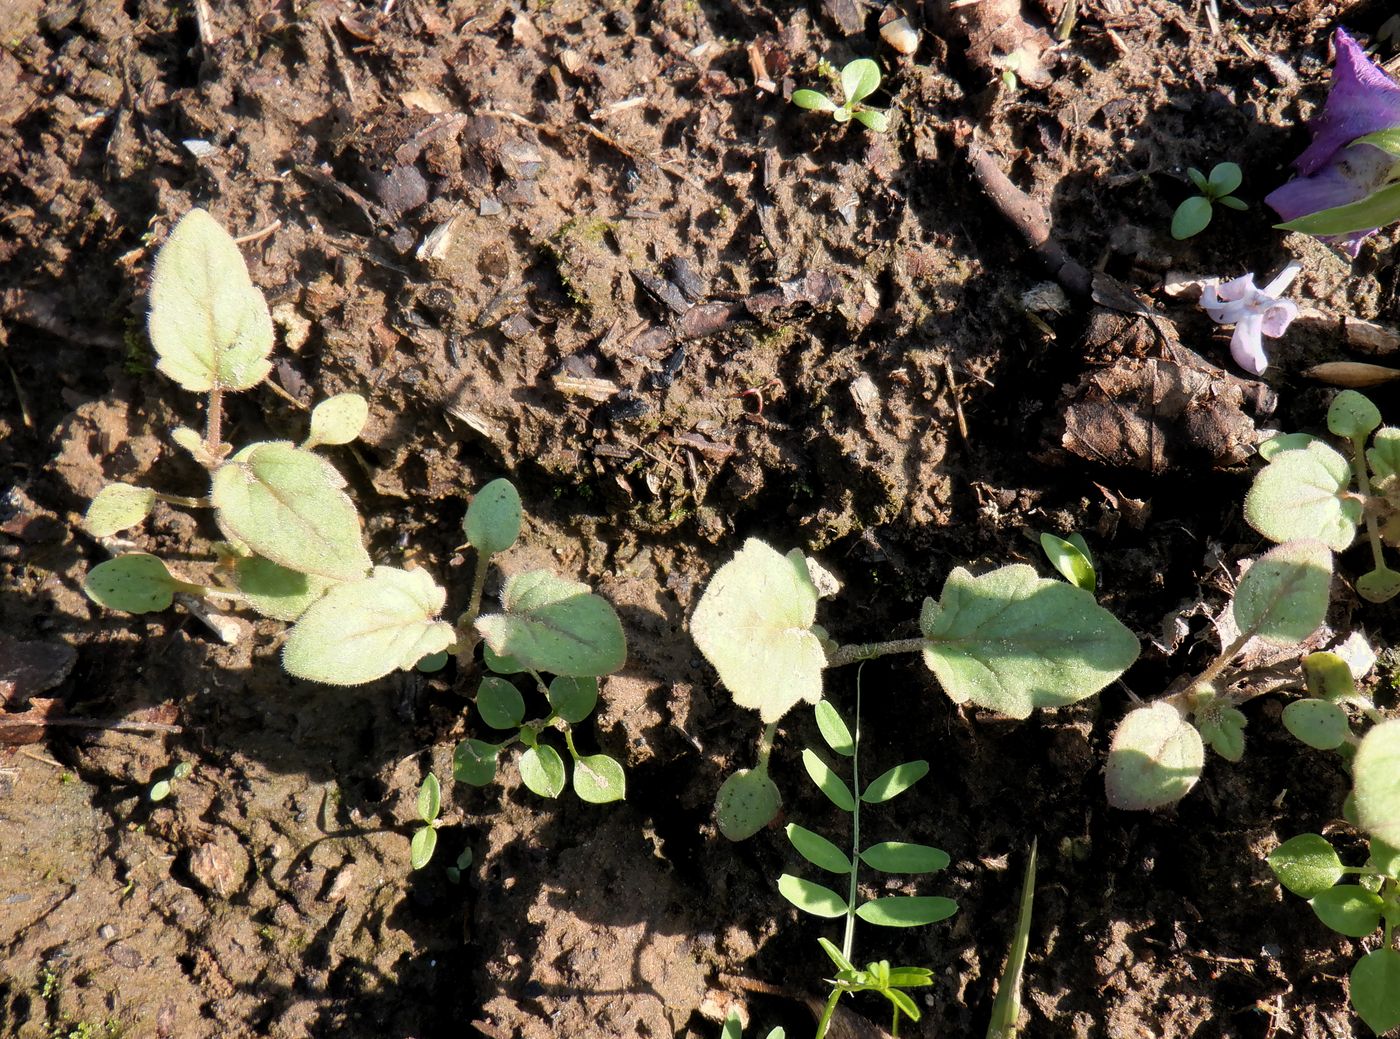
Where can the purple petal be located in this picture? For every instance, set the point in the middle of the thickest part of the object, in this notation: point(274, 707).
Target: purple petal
point(1246, 347)
point(1352, 175)
point(1363, 99)
point(1278, 317)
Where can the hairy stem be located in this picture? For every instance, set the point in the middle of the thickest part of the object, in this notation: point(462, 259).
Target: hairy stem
point(861, 651)
point(765, 746)
point(213, 431)
point(467, 636)
point(183, 502)
point(1363, 484)
point(1226, 655)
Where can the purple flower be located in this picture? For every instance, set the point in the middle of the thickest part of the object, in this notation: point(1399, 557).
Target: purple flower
point(1334, 171)
point(1254, 312)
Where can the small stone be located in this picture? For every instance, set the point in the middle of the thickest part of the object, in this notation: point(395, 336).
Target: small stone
point(106, 932)
point(490, 206)
point(900, 35)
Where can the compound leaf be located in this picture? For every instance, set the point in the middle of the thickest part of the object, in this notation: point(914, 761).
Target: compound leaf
point(898, 857)
point(209, 324)
point(817, 850)
point(553, 624)
point(542, 770)
point(833, 729)
point(1283, 597)
point(810, 897)
point(754, 625)
point(1011, 641)
point(133, 583)
point(906, 910)
point(747, 802)
point(1376, 771)
point(1299, 494)
point(287, 504)
point(493, 519)
point(117, 507)
point(828, 782)
point(1307, 864)
point(361, 631)
point(337, 420)
point(1155, 759)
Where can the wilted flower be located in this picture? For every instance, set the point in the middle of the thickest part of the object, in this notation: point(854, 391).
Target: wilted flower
point(1254, 312)
point(1334, 170)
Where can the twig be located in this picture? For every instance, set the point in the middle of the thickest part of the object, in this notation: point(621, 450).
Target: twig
point(957, 401)
point(21, 722)
point(341, 62)
point(256, 235)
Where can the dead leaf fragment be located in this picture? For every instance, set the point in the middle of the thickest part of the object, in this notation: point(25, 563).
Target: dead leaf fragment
point(30, 668)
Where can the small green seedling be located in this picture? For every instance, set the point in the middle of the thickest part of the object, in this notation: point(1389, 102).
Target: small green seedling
point(886, 856)
point(1006, 1008)
point(425, 837)
point(1308, 866)
point(460, 866)
point(734, 1028)
point(162, 787)
point(1192, 216)
point(859, 80)
point(1008, 641)
point(1070, 556)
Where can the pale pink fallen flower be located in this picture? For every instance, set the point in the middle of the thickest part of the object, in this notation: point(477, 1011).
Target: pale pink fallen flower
point(1254, 312)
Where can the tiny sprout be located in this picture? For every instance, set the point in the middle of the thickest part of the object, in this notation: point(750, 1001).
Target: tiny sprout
point(859, 80)
point(425, 837)
point(161, 788)
point(1194, 214)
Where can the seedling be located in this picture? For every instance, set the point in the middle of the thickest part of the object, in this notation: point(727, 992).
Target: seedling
point(162, 787)
point(1070, 556)
point(1006, 1008)
point(887, 857)
point(1008, 641)
point(1308, 866)
point(734, 1028)
point(1192, 216)
point(295, 550)
point(859, 80)
point(460, 866)
point(425, 837)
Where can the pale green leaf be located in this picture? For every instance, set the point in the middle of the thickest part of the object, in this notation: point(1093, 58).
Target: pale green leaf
point(573, 699)
point(193, 443)
point(598, 779)
point(276, 592)
point(429, 798)
point(859, 79)
point(337, 420)
point(1379, 585)
point(422, 846)
point(1011, 641)
point(754, 625)
point(133, 583)
point(1378, 209)
point(361, 631)
point(1384, 453)
point(493, 518)
point(1352, 415)
point(1281, 442)
point(906, 910)
point(811, 897)
point(828, 782)
point(1299, 494)
point(474, 762)
point(817, 850)
point(499, 703)
point(1348, 909)
point(1328, 676)
point(1385, 858)
point(542, 770)
point(747, 802)
point(209, 325)
point(159, 791)
point(1386, 141)
point(899, 857)
point(833, 729)
point(1283, 596)
point(1318, 723)
point(553, 624)
point(118, 506)
point(1375, 989)
point(1155, 759)
point(1307, 864)
point(813, 100)
point(1376, 771)
point(287, 505)
point(894, 782)
point(1072, 563)
point(872, 119)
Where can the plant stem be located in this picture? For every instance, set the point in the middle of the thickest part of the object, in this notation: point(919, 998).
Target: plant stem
point(181, 500)
point(765, 746)
point(1363, 483)
point(827, 1011)
point(467, 636)
point(1226, 655)
point(208, 591)
point(870, 650)
point(213, 431)
point(850, 938)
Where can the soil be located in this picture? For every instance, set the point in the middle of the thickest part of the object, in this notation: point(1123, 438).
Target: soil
point(592, 248)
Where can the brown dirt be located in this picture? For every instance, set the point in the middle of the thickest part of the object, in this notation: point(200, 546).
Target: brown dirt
point(910, 421)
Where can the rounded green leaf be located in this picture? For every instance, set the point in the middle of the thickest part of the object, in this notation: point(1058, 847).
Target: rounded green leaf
point(1225, 178)
point(573, 699)
point(287, 504)
point(1221, 726)
point(1307, 864)
point(276, 592)
point(429, 798)
point(599, 779)
point(859, 79)
point(1155, 759)
point(898, 857)
point(828, 782)
point(1281, 442)
point(159, 791)
point(493, 519)
point(817, 850)
point(1191, 217)
point(1328, 676)
point(1379, 585)
point(209, 325)
point(1385, 858)
point(421, 848)
point(361, 631)
point(1352, 415)
point(1011, 641)
point(906, 910)
point(133, 583)
point(1073, 564)
point(337, 420)
point(1384, 454)
point(833, 729)
point(1375, 989)
point(1348, 909)
point(499, 664)
point(499, 703)
point(810, 897)
point(1376, 772)
point(1283, 597)
point(433, 662)
point(118, 506)
point(192, 442)
point(1231, 202)
point(872, 119)
point(553, 624)
point(894, 782)
point(813, 100)
point(747, 802)
point(542, 770)
point(841, 115)
point(474, 762)
point(1299, 494)
point(754, 625)
point(1318, 723)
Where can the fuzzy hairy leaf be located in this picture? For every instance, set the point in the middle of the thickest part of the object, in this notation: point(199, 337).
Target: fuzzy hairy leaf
point(754, 625)
point(1283, 597)
point(1155, 759)
point(287, 505)
point(1011, 641)
point(118, 506)
point(1376, 771)
point(276, 592)
point(337, 420)
point(553, 624)
point(209, 324)
point(361, 631)
point(1299, 495)
point(133, 583)
point(1383, 456)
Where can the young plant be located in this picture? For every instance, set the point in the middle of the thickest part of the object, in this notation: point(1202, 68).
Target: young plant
point(424, 841)
point(1008, 641)
point(859, 80)
point(734, 1028)
point(295, 547)
point(161, 788)
point(1006, 1008)
point(886, 856)
point(1070, 556)
point(1193, 215)
point(1308, 866)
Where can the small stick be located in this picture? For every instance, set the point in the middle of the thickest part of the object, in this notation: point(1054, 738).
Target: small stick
point(953, 396)
point(341, 61)
point(20, 722)
point(256, 235)
point(19, 393)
